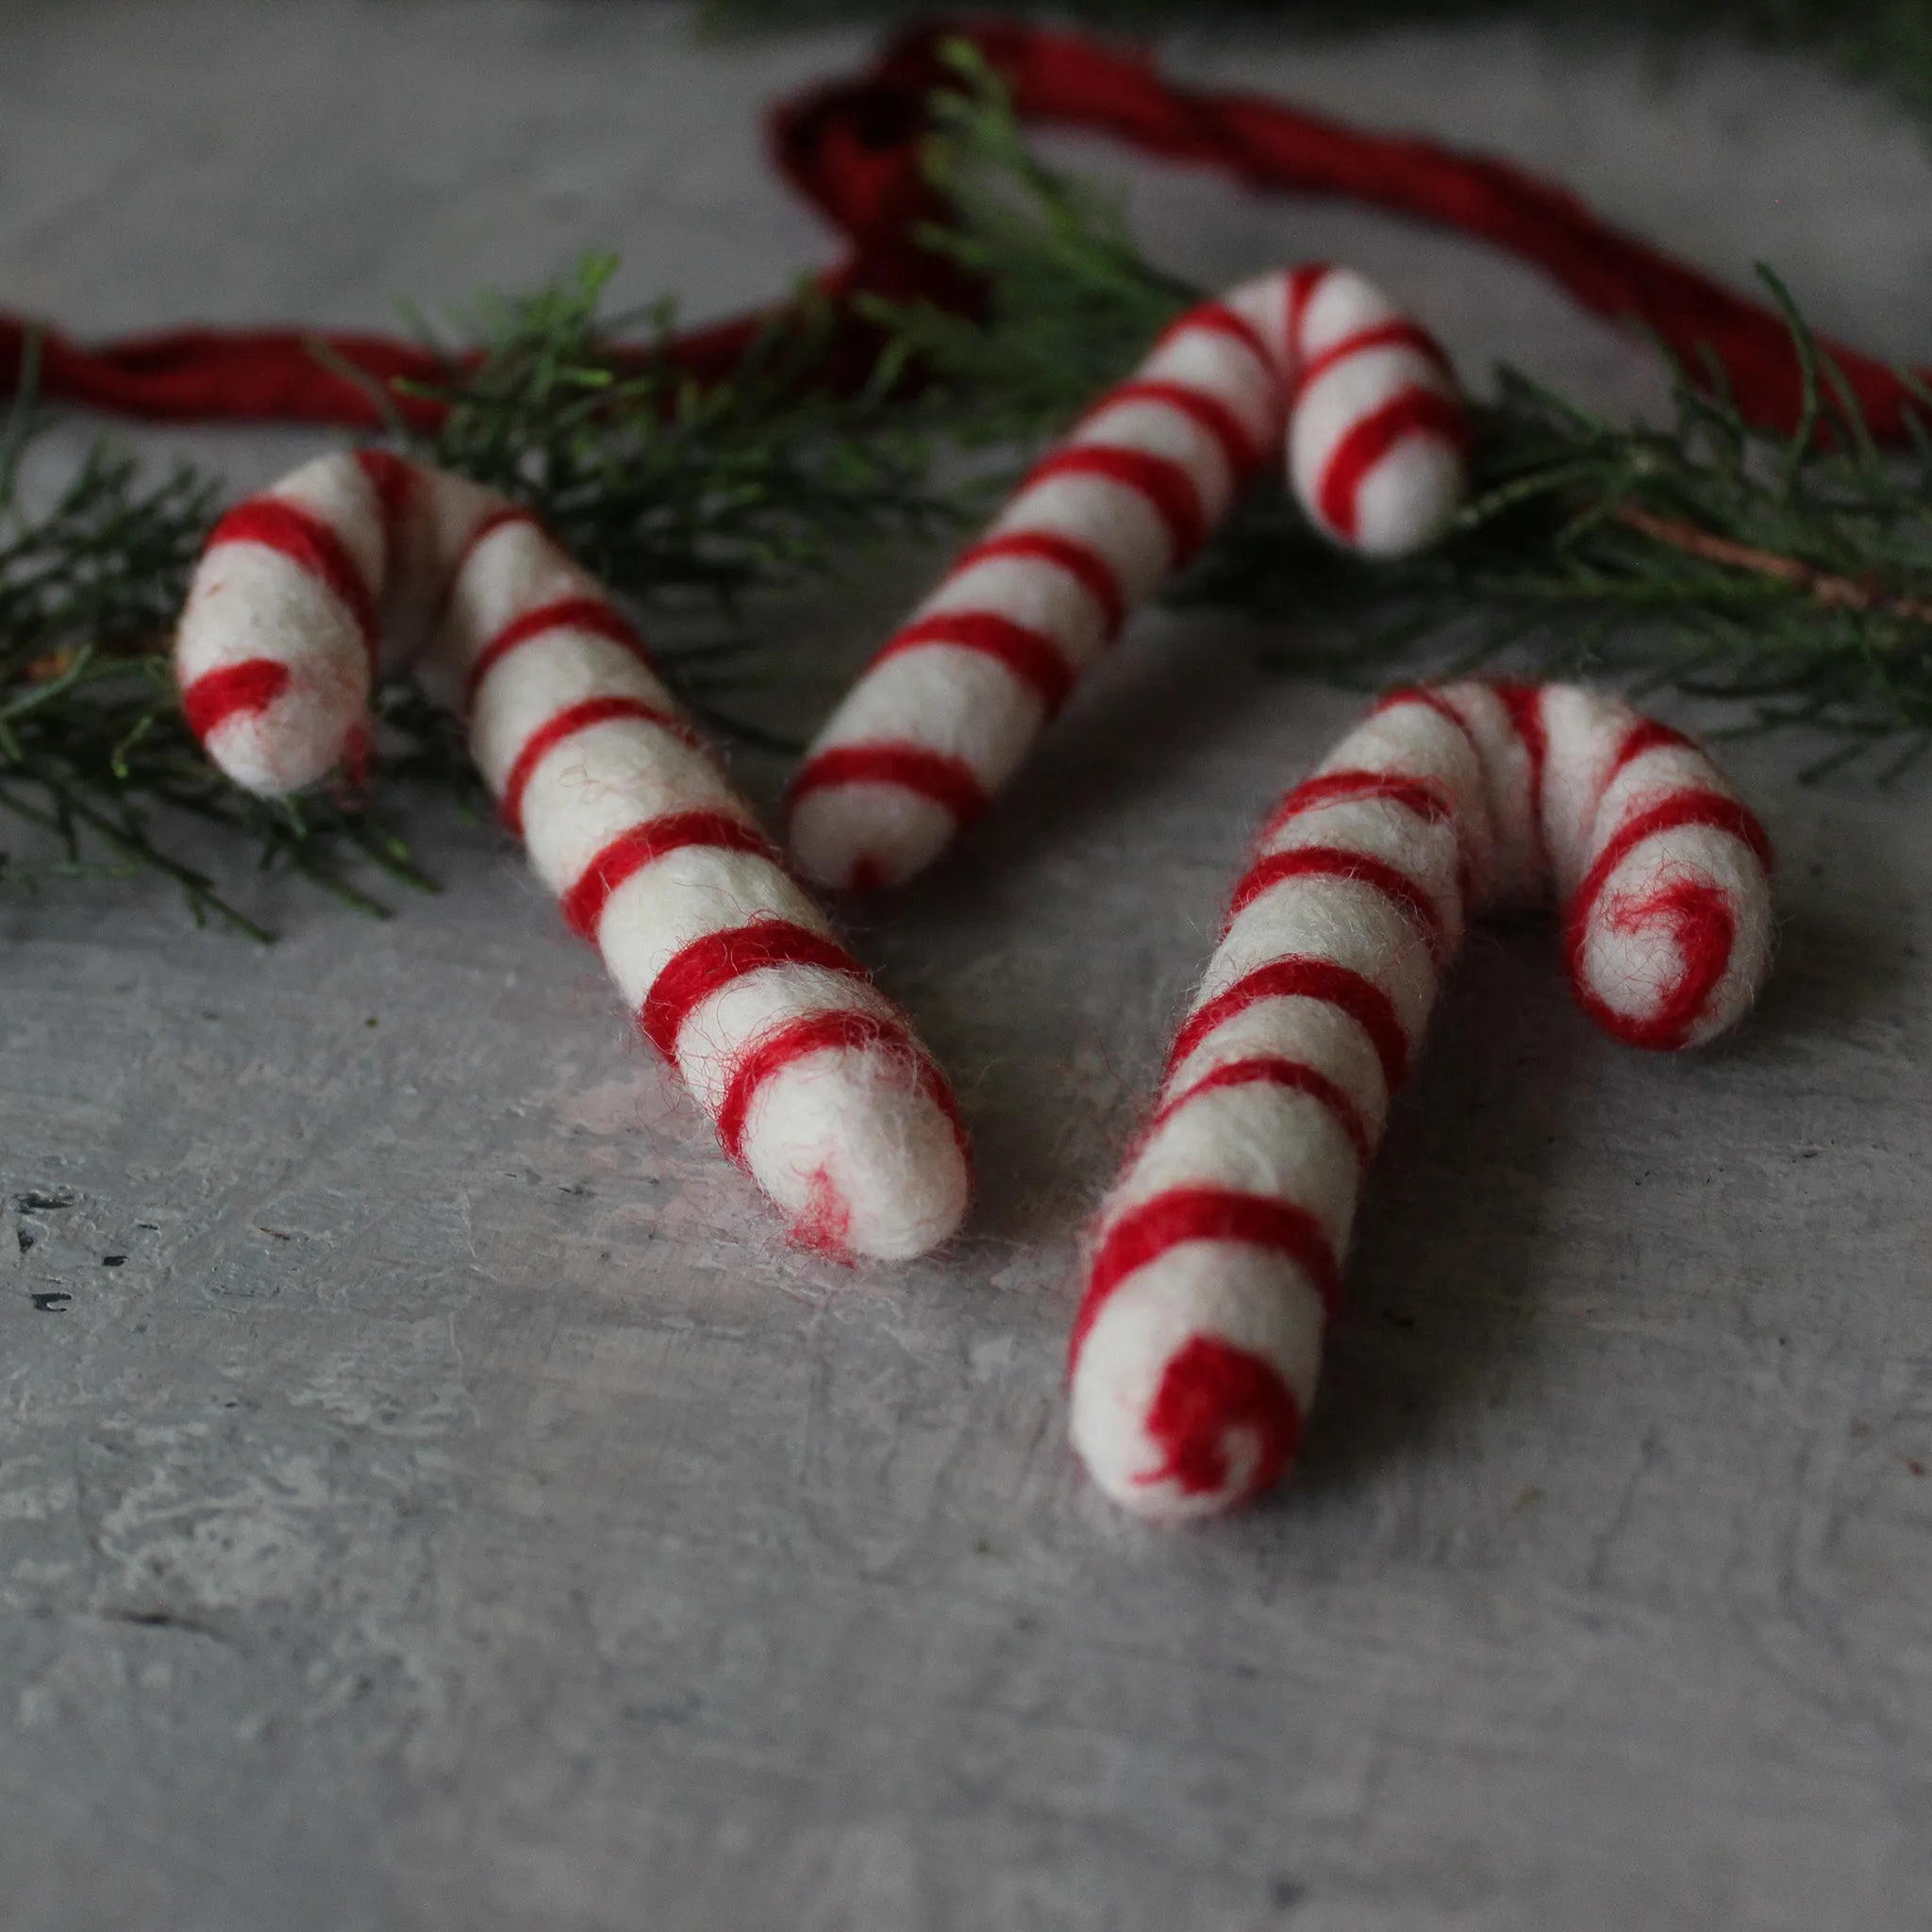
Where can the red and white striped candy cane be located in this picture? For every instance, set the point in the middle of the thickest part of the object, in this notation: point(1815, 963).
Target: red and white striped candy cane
point(1374, 441)
point(810, 1076)
point(1217, 1257)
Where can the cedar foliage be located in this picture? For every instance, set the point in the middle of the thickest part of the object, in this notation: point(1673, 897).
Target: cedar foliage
point(1792, 576)
point(687, 501)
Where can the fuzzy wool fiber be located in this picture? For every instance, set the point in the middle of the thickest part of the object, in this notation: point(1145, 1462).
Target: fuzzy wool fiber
point(1314, 362)
point(361, 565)
point(1216, 1261)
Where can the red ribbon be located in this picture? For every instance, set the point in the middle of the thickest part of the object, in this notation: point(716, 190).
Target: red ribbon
point(852, 149)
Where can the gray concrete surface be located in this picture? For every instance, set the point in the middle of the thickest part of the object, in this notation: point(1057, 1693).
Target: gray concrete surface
point(430, 1499)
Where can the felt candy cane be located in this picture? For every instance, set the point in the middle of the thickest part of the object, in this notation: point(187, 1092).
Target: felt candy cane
point(1373, 445)
point(358, 564)
point(1217, 1257)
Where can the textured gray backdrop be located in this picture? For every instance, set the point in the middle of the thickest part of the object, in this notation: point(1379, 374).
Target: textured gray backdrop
point(429, 1498)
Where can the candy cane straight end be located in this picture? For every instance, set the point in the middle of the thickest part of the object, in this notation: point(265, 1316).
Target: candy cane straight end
point(810, 1073)
point(864, 837)
point(861, 1151)
point(1408, 499)
point(1189, 1383)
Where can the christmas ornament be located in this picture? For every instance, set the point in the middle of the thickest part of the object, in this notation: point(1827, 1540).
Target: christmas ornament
point(1216, 1261)
point(1317, 356)
point(1755, 548)
point(360, 565)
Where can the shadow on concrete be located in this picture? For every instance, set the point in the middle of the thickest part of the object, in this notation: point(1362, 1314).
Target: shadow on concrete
point(1439, 1311)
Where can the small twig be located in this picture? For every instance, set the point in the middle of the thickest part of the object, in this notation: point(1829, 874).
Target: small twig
point(1822, 587)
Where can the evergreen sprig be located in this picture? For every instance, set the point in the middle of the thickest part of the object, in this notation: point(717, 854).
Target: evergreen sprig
point(1791, 575)
point(679, 495)
point(91, 745)
point(686, 499)
point(92, 749)
point(690, 499)
point(1069, 300)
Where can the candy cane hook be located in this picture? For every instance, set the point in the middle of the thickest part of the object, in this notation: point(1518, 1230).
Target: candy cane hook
point(1315, 361)
point(360, 564)
point(1216, 1261)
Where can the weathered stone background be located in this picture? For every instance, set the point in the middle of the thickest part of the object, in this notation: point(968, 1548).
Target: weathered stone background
point(430, 1498)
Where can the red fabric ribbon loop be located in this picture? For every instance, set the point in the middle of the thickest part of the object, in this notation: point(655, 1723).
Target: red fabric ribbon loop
point(851, 148)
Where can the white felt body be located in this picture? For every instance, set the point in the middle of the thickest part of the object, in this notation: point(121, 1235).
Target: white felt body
point(1195, 1357)
point(849, 1129)
point(251, 604)
point(1402, 499)
point(933, 730)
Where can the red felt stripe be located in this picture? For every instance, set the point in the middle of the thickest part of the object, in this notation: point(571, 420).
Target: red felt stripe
point(1689, 808)
point(568, 724)
point(1304, 976)
point(309, 544)
point(1274, 1070)
point(1030, 655)
point(947, 781)
point(707, 965)
point(1080, 562)
point(1163, 485)
point(1216, 318)
point(502, 517)
point(1412, 411)
point(818, 1033)
point(359, 748)
point(1421, 798)
point(1703, 919)
point(630, 852)
point(1398, 332)
point(394, 480)
point(1524, 705)
point(1647, 734)
point(1703, 928)
point(1209, 1390)
point(1238, 447)
point(1356, 868)
point(1142, 1234)
point(590, 614)
point(1434, 701)
point(234, 690)
point(1301, 283)
point(825, 1223)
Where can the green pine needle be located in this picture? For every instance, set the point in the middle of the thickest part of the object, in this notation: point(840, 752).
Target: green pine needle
point(675, 495)
point(1791, 576)
point(685, 501)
